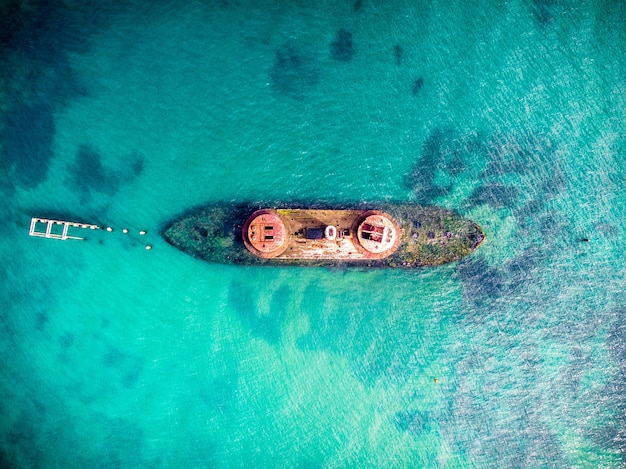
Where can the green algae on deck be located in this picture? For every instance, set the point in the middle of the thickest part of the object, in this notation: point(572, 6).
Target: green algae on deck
point(430, 236)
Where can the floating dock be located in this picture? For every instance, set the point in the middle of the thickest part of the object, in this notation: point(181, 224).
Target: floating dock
point(57, 229)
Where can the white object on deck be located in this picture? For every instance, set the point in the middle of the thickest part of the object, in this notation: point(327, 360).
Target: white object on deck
point(35, 223)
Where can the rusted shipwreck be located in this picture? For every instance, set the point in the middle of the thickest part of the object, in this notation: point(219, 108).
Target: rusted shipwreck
point(394, 235)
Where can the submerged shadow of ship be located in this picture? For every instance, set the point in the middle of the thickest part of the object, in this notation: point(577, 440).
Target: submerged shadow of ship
point(429, 236)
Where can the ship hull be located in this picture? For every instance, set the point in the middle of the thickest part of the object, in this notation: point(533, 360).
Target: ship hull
point(423, 236)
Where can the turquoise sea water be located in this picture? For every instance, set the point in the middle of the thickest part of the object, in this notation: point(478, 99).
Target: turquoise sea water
point(129, 113)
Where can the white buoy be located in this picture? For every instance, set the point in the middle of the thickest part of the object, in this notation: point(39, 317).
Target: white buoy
point(109, 229)
point(124, 231)
point(148, 247)
point(142, 232)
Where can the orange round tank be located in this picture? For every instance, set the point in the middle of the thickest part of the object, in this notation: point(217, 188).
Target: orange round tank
point(377, 234)
point(264, 234)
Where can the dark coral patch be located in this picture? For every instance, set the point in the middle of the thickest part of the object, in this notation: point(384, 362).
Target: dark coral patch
point(530, 259)
point(342, 48)
point(312, 303)
point(27, 138)
point(66, 340)
point(265, 326)
point(281, 299)
point(422, 177)
point(23, 434)
point(129, 366)
point(417, 85)
point(544, 11)
point(89, 174)
point(136, 165)
point(526, 154)
point(398, 54)
point(41, 319)
point(295, 72)
point(614, 433)
point(444, 152)
point(495, 195)
point(40, 37)
point(413, 421)
point(328, 327)
point(481, 282)
point(45, 31)
point(616, 341)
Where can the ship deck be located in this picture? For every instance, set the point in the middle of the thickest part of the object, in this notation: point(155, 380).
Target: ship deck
point(303, 229)
point(400, 235)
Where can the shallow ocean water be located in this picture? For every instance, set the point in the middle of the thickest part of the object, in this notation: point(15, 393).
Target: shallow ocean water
point(512, 113)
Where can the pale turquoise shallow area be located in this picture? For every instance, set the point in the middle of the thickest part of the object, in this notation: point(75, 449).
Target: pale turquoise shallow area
point(512, 113)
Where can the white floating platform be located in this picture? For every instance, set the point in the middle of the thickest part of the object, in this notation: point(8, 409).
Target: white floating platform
point(57, 229)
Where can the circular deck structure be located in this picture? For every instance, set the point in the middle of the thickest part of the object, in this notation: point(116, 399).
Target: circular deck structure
point(377, 235)
point(264, 234)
